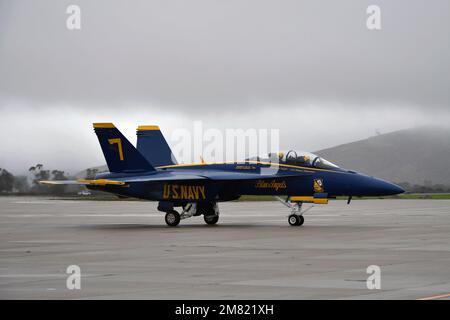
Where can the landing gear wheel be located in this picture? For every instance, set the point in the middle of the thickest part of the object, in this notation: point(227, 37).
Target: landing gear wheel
point(296, 220)
point(172, 218)
point(301, 220)
point(211, 219)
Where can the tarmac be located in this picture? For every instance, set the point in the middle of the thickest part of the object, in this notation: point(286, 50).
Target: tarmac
point(125, 251)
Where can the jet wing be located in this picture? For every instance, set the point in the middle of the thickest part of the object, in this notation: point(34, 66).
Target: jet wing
point(173, 176)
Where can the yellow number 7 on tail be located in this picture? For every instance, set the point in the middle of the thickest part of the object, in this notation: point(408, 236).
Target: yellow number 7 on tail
point(119, 146)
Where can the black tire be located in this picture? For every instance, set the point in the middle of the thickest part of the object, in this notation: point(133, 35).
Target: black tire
point(293, 220)
point(301, 220)
point(211, 219)
point(296, 220)
point(172, 218)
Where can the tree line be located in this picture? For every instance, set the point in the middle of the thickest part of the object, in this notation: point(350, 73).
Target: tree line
point(29, 184)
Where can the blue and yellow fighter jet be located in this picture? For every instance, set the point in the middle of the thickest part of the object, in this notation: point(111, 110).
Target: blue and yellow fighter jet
point(151, 172)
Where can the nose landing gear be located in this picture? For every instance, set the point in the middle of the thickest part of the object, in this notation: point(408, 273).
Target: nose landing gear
point(296, 220)
point(296, 217)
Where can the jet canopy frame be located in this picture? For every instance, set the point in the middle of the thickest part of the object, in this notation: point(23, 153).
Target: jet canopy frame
point(298, 158)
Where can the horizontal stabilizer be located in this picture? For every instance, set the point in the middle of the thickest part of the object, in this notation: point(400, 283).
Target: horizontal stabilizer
point(97, 182)
point(60, 182)
point(102, 182)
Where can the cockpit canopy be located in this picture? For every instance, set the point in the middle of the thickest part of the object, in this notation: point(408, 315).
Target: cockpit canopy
point(298, 158)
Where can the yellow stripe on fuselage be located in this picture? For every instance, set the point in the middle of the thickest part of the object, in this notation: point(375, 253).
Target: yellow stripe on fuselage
point(251, 161)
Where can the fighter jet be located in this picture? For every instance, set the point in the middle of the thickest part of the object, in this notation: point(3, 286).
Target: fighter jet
point(151, 172)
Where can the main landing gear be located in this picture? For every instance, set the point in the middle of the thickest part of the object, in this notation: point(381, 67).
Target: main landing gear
point(172, 218)
point(210, 212)
point(296, 217)
point(211, 219)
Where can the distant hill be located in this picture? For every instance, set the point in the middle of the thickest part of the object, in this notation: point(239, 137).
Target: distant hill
point(418, 156)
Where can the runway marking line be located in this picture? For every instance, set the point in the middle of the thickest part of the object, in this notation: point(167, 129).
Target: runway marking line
point(447, 295)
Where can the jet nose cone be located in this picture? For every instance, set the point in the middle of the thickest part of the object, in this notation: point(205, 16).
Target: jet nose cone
point(386, 188)
point(370, 186)
point(394, 189)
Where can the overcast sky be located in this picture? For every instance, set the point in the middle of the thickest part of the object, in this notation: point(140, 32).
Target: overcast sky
point(309, 68)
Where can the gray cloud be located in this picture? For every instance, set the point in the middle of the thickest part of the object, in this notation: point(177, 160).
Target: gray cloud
point(209, 54)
